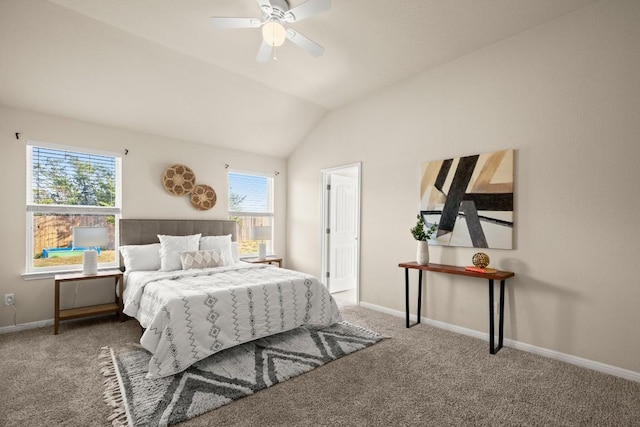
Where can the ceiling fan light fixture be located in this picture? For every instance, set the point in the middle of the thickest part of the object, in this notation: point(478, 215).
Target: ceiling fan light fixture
point(275, 15)
point(273, 33)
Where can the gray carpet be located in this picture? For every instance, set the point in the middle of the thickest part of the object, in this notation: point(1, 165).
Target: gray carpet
point(422, 376)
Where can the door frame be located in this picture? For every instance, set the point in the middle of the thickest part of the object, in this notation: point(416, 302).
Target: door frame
point(324, 238)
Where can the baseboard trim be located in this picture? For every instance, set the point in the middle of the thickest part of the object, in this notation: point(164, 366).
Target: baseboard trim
point(552, 354)
point(24, 326)
point(43, 324)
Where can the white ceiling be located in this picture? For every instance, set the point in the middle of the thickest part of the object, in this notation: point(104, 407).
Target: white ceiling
point(157, 66)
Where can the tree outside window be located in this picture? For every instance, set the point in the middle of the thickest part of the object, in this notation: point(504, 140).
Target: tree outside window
point(69, 188)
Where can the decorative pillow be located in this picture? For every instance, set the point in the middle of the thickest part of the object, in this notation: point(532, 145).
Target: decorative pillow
point(200, 259)
point(170, 248)
point(221, 244)
point(141, 257)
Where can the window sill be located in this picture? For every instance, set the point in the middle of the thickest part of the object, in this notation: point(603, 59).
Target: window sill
point(36, 275)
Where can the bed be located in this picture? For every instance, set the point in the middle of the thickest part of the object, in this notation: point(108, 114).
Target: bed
point(208, 300)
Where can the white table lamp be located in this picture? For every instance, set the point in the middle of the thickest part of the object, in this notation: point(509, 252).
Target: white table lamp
point(90, 238)
point(261, 233)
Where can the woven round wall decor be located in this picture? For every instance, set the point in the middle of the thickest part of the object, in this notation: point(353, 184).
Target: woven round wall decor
point(178, 180)
point(203, 197)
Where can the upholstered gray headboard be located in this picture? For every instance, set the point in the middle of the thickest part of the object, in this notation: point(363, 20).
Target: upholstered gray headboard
point(145, 231)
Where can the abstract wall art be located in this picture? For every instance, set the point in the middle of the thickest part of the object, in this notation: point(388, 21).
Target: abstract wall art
point(471, 199)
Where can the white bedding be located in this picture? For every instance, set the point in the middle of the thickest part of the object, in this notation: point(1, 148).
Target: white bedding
point(189, 315)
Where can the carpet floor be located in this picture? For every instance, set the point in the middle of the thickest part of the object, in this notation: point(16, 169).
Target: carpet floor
point(422, 376)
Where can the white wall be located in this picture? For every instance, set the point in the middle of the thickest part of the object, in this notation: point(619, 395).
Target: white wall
point(143, 196)
point(566, 97)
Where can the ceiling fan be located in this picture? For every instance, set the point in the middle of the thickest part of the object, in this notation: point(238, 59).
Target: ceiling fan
point(276, 13)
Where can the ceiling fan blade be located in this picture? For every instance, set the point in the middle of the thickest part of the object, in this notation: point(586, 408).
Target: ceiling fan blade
point(307, 9)
point(304, 42)
point(264, 54)
point(235, 22)
point(265, 6)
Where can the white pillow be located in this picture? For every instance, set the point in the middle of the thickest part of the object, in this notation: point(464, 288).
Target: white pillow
point(200, 259)
point(221, 244)
point(170, 248)
point(141, 257)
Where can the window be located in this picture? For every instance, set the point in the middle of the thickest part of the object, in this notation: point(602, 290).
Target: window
point(251, 205)
point(72, 195)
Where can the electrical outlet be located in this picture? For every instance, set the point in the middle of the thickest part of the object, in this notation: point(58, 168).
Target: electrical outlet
point(9, 299)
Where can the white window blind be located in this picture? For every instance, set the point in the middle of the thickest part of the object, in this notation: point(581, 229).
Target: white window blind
point(250, 194)
point(69, 188)
point(61, 177)
point(251, 202)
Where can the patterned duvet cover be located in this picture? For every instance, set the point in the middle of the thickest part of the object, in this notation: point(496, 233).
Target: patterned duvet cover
point(189, 315)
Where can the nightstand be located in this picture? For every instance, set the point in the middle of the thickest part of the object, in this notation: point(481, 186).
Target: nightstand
point(267, 260)
point(74, 313)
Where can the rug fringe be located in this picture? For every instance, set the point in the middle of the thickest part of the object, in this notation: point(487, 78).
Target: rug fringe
point(112, 394)
point(118, 418)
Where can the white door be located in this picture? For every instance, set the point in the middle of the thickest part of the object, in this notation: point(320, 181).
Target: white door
point(343, 237)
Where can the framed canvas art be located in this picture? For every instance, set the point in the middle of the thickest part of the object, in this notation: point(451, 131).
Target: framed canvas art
point(471, 199)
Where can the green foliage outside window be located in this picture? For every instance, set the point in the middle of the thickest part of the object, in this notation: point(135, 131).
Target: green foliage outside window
point(74, 184)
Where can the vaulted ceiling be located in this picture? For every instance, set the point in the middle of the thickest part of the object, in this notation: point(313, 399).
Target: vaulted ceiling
point(158, 66)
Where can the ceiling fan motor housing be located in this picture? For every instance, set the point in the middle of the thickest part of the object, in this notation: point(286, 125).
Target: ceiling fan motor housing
point(279, 8)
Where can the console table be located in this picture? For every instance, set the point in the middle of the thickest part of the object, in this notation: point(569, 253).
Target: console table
point(453, 269)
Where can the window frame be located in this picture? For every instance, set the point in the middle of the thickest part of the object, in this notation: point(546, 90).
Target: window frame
point(270, 214)
point(32, 208)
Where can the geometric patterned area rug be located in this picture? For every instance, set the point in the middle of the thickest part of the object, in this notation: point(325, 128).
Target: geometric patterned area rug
point(221, 378)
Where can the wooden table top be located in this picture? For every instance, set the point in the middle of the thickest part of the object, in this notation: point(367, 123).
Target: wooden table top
point(455, 269)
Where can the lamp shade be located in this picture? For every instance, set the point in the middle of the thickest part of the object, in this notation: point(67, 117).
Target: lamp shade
point(90, 237)
point(261, 232)
point(90, 262)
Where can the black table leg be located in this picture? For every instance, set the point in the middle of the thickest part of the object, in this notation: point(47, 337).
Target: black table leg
point(492, 348)
point(501, 327)
point(406, 292)
point(419, 293)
